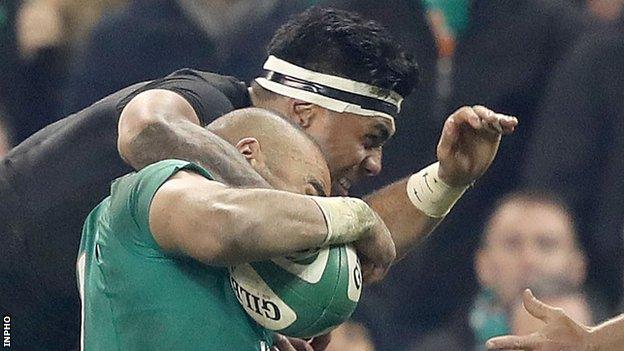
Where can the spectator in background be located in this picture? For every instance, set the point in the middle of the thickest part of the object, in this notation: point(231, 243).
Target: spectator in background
point(40, 43)
point(9, 55)
point(577, 148)
point(606, 10)
point(494, 52)
point(45, 24)
point(529, 240)
point(152, 38)
point(39, 36)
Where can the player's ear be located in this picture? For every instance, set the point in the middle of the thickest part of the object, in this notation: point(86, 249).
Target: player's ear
point(250, 149)
point(304, 113)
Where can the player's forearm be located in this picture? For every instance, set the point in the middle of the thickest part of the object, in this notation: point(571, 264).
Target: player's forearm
point(223, 226)
point(279, 223)
point(181, 139)
point(407, 224)
point(608, 336)
point(233, 226)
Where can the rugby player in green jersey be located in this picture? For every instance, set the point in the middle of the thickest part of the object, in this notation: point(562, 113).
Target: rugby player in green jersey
point(152, 266)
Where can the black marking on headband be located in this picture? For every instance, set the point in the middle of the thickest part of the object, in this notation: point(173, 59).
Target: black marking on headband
point(365, 102)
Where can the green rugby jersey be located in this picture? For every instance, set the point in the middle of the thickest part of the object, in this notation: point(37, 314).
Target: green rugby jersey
point(136, 297)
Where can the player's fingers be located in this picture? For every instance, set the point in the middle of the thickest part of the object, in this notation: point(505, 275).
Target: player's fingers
point(503, 123)
point(321, 342)
point(508, 123)
point(450, 136)
point(495, 122)
point(491, 121)
point(372, 274)
point(300, 345)
point(367, 270)
point(512, 342)
point(482, 111)
point(537, 308)
point(378, 274)
point(282, 343)
point(467, 115)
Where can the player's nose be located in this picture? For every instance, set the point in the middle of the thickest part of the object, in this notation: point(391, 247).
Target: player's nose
point(372, 163)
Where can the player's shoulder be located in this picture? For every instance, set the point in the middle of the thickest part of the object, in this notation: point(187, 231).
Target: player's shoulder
point(152, 176)
point(168, 167)
point(232, 87)
point(209, 77)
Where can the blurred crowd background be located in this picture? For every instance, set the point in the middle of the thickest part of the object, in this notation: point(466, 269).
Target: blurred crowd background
point(547, 214)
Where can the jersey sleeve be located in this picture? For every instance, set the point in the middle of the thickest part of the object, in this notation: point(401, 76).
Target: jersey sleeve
point(133, 194)
point(211, 95)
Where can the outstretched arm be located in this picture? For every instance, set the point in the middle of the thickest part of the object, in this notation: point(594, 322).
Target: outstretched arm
point(608, 336)
point(469, 142)
point(212, 223)
point(159, 124)
point(561, 332)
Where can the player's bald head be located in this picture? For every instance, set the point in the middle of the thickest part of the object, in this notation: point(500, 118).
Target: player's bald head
point(284, 146)
point(275, 134)
point(251, 121)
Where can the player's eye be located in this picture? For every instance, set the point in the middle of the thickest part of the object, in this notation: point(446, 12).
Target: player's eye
point(317, 188)
point(373, 141)
point(309, 190)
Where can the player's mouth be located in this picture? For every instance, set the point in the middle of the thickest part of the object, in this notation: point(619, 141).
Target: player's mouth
point(342, 186)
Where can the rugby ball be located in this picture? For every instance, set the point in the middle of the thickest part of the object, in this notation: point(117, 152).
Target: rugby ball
point(303, 295)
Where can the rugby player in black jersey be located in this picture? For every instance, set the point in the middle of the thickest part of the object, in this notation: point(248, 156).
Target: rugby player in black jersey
point(341, 78)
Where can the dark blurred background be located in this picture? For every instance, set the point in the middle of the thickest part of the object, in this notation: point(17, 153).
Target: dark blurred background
point(558, 65)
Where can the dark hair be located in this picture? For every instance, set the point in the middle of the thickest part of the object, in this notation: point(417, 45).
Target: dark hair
point(344, 44)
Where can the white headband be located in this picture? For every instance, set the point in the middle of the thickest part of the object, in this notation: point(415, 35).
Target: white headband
point(341, 86)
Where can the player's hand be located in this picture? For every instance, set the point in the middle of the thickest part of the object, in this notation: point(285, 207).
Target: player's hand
point(283, 343)
point(376, 252)
point(469, 142)
point(560, 333)
point(320, 343)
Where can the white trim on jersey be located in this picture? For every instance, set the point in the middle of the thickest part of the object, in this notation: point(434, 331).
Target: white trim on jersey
point(80, 270)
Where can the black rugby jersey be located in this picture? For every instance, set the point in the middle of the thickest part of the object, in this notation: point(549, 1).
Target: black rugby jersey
point(48, 185)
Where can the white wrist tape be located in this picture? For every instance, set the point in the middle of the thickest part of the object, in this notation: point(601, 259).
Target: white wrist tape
point(347, 218)
point(430, 194)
